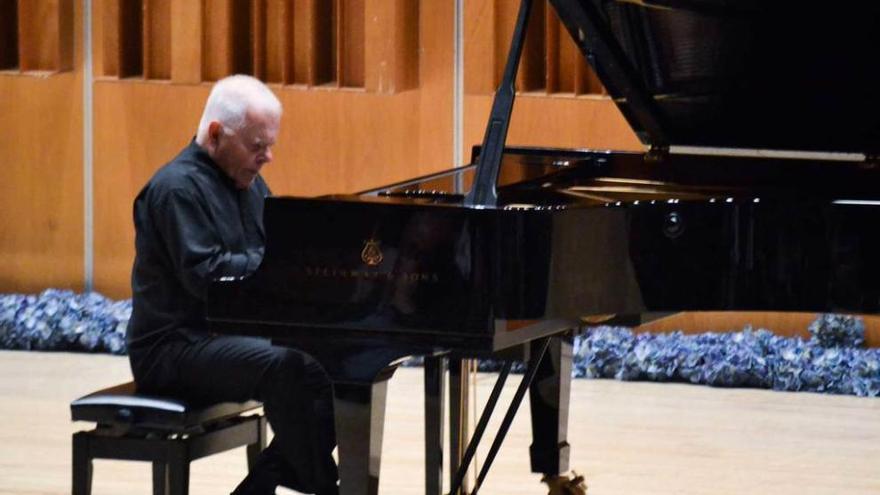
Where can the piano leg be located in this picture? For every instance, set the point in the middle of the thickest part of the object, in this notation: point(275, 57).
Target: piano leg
point(549, 398)
point(360, 417)
point(435, 370)
point(458, 417)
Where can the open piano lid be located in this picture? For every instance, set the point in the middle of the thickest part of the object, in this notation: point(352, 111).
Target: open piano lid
point(758, 74)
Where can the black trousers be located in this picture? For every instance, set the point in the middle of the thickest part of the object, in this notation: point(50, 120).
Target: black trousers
point(297, 397)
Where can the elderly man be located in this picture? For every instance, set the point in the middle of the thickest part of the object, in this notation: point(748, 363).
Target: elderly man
point(199, 218)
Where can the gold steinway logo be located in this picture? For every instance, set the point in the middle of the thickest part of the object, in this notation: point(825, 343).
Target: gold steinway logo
point(371, 255)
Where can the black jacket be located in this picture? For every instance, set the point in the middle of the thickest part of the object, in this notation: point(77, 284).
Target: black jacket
point(192, 226)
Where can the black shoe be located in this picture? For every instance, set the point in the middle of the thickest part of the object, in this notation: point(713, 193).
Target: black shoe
point(267, 473)
point(256, 483)
point(272, 470)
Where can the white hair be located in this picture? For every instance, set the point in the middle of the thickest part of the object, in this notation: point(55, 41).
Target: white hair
point(230, 100)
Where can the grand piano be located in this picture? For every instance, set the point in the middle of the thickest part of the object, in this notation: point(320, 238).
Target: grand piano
point(759, 190)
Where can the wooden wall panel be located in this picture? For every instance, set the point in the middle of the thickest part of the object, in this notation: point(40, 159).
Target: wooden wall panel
point(350, 36)
point(133, 39)
point(106, 38)
point(41, 197)
point(314, 46)
point(479, 49)
point(435, 97)
point(241, 37)
point(8, 34)
point(503, 21)
point(391, 58)
point(533, 63)
point(121, 41)
point(553, 120)
point(45, 29)
point(271, 57)
point(215, 31)
point(227, 38)
point(157, 39)
point(551, 63)
point(186, 57)
point(583, 122)
point(552, 32)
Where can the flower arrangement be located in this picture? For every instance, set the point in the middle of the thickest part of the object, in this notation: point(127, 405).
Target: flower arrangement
point(63, 321)
point(831, 361)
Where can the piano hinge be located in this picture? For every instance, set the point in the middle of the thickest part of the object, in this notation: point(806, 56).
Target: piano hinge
point(658, 153)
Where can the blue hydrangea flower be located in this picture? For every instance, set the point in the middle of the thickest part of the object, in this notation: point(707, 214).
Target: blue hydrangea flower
point(61, 320)
point(831, 330)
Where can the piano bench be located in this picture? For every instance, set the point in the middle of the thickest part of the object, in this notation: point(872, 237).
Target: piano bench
point(167, 432)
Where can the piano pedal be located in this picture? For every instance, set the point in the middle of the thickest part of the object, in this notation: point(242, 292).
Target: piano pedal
point(564, 485)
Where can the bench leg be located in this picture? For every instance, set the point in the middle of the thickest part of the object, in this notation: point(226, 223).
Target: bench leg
point(254, 449)
point(178, 469)
point(82, 465)
point(160, 478)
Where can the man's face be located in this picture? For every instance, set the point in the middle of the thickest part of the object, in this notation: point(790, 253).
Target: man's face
point(242, 154)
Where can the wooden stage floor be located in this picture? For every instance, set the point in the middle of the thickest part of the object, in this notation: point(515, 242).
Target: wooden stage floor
point(626, 438)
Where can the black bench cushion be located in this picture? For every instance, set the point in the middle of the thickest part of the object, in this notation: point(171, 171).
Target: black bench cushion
point(123, 405)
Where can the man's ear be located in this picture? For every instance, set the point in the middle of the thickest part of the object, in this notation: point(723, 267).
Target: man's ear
point(214, 130)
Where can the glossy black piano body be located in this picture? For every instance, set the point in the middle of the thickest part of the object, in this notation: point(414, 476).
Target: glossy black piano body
point(416, 268)
point(578, 234)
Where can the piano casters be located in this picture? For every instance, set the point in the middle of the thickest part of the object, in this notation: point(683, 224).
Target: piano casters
point(541, 349)
point(563, 485)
